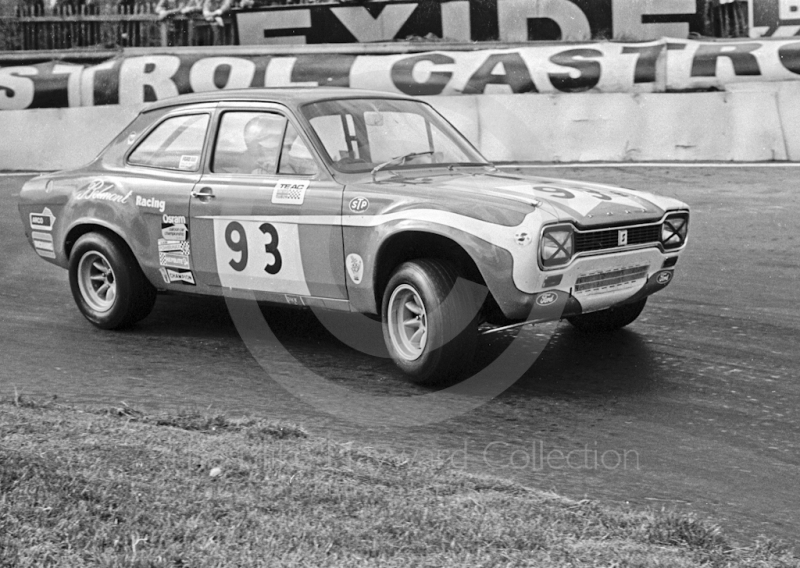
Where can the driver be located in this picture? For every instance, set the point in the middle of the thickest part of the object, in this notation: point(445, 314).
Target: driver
point(262, 136)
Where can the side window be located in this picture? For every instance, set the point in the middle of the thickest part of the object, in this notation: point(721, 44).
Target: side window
point(248, 143)
point(296, 158)
point(175, 144)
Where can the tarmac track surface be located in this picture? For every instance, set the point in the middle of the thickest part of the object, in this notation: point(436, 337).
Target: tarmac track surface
point(694, 406)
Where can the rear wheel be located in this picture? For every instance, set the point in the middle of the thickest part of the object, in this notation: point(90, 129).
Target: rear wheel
point(430, 324)
point(609, 319)
point(107, 283)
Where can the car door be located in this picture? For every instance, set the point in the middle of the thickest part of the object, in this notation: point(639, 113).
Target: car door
point(161, 171)
point(266, 214)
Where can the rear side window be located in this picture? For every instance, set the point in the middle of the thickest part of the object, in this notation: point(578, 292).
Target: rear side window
point(175, 144)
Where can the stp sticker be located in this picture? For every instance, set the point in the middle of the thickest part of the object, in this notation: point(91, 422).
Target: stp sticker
point(359, 204)
point(355, 268)
point(42, 221)
point(547, 298)
point(289, 192)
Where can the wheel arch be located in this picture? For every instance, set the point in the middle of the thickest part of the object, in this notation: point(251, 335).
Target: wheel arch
point(409, 244)
point(82, 228)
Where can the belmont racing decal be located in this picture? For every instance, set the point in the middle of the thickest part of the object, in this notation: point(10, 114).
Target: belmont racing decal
point(102, 190)
point(289, 192)
point(183, 276)
point(355, 268)
point(150, 203)
point(173, 228)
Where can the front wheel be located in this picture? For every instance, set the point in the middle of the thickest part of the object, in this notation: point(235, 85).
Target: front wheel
point(609, 319)
point(430, 323)
point(107, 283)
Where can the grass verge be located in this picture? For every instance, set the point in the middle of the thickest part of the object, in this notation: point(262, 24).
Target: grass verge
point(117, 487)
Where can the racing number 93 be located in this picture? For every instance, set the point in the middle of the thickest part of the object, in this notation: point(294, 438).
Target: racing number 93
point(259, 254)
point(239, 244)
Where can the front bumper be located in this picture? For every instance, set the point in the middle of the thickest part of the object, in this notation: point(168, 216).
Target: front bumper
point(595, 283)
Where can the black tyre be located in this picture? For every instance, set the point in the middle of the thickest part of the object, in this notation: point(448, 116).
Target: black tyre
point(430, 339)
point(107, 282)
point(610, 319)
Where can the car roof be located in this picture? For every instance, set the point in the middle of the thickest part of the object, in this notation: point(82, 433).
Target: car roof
point(292, 96)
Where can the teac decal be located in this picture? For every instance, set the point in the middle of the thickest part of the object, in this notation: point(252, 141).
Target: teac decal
point(359, 204)
point(289, 192)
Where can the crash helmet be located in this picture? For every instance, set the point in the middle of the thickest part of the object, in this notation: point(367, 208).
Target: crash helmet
point(262, 136)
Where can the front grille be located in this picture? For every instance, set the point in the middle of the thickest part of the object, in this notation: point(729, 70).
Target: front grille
point(609, 238)
point(610, 279)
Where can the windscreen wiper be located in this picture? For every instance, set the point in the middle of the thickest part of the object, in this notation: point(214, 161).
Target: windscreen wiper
point(398, 161)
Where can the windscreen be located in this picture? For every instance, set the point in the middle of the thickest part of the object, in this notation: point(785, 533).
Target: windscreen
point(360, 134)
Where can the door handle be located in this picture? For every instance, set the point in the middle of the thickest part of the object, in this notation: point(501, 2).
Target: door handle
point(203, 193)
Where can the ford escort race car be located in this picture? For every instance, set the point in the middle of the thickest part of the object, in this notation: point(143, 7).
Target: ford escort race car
point(346, 200)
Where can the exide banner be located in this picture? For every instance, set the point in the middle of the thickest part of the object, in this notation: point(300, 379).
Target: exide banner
point(470, 20)
point(607, 67)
